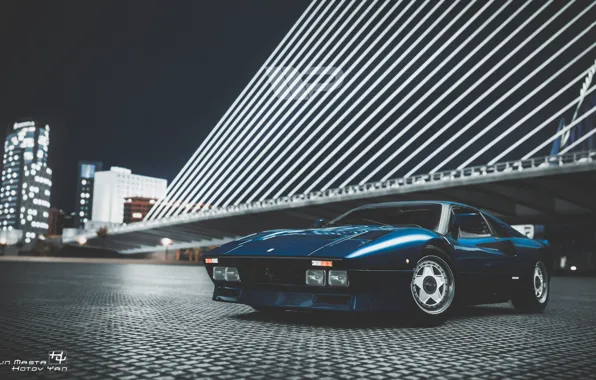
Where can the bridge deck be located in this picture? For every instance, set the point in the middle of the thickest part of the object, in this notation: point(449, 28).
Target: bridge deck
point(530, 191)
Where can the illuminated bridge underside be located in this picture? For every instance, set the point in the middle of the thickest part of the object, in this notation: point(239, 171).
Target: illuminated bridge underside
point(519, 192)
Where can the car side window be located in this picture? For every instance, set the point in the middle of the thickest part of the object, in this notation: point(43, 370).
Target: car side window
point(499, 229)
point(475, 226)
point(503, 230)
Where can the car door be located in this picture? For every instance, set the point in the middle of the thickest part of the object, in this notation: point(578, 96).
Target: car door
point(483, 261)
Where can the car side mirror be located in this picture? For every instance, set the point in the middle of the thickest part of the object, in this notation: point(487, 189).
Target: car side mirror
point(319, 223)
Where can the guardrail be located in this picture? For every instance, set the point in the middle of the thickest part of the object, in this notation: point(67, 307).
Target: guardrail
point(482, 170)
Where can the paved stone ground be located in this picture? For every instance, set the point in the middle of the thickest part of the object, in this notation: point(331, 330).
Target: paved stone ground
point(129, 321)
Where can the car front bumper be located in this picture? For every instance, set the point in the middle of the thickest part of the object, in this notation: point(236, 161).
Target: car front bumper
point(387, 291)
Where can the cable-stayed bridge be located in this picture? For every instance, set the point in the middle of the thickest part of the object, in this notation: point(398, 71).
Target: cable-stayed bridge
point(485, 102)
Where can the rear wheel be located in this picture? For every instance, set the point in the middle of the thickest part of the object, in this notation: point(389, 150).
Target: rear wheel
point(532, 297)
point(433, 290)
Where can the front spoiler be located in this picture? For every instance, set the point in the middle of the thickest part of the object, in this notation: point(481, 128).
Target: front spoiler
point(396, 298)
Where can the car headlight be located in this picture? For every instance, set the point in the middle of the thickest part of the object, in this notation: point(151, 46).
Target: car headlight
point(219, 273)
point(338, 278)
point(315, 277)
point(232, 274)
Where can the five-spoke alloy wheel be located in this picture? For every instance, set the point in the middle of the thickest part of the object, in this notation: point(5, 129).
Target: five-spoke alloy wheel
point(433, 288)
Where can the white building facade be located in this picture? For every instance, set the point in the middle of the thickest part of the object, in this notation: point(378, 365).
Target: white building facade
point(112, 187)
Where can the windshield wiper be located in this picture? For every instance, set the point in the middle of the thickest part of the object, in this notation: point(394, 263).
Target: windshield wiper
point(377, 222)
point(408, 225)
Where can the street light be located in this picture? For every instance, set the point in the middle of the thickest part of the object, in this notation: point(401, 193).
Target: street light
point(166, 242)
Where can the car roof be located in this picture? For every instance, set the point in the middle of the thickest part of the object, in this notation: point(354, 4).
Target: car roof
point(410, 203)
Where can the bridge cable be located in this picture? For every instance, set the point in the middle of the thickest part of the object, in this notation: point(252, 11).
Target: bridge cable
point(238, 155)
point(494, 104)
point(328, 105)
point(561, 132)
point(402, 101)
point(224, 150)
point(472, 105)
point(524, 119)
point(411, 124)
point(201, 151)
point(345, 88)
point(293, 47)
point(513, 108)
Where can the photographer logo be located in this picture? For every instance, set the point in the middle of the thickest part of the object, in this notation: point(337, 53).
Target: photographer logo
point(57, 357)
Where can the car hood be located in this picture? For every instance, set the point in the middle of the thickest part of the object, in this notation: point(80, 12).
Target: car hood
point(320, 242)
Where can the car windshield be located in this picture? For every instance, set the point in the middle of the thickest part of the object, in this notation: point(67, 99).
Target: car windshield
point(425, 216)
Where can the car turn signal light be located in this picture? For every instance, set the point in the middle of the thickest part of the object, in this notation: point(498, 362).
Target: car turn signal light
point(318, 263)
point(210, 260)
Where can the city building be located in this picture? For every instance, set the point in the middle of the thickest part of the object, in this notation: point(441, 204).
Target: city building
point(59, 220)
point(85, 179)
point(112, 187)
point(55, 221)
point(135, 209)
point(26, 180)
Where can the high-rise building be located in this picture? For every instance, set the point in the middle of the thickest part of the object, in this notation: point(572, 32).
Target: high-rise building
point(111, 188)
point(26, 180)
point(86, 177)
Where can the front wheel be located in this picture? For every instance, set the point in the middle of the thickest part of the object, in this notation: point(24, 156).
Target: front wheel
point(532, 296)
point(433, 290)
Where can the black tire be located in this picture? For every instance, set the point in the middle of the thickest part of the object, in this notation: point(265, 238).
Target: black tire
point(432, 300)
point(527, 298)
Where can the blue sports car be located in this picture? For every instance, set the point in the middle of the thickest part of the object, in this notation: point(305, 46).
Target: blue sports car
point(422, 257)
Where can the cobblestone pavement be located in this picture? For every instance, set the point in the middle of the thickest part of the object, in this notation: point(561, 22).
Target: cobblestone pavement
point(129, 321)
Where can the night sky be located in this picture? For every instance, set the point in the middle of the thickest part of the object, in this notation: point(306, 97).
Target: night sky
point(136, 84)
